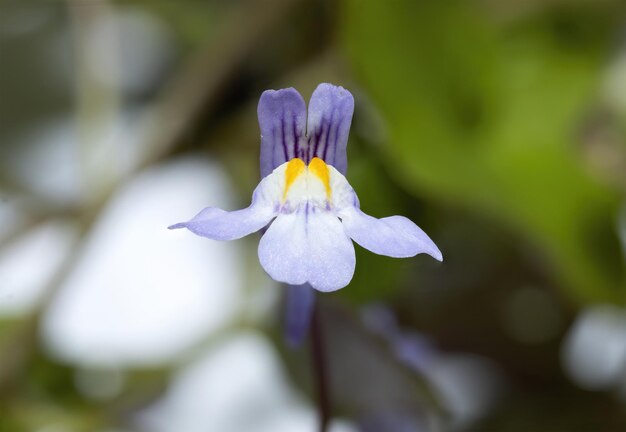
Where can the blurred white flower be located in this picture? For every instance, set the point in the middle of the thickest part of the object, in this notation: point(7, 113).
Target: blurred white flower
point(141, 294)
point(594, 352)
point(45, 159)
point(238, 386)
point(29, 262)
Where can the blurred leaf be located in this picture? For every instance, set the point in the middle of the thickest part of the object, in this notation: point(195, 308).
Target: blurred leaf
point(35, 415)
point(485, 115)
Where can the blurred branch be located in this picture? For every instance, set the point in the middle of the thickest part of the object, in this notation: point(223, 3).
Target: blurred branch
point(202, 80)
point(98, 103)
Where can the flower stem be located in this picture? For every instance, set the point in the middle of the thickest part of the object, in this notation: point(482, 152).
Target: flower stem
point(319, 369)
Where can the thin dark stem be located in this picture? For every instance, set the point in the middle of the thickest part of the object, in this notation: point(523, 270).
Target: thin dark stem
point(319, 369)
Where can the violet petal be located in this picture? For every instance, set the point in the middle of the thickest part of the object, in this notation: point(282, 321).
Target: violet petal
point(394, 236)
point(328, 125)
point(282, 119)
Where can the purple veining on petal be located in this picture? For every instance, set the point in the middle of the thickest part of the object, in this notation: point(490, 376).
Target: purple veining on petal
point(282, 120)
point(328, 124)
point(299, 303)
point(329, 138)
point(320, 151)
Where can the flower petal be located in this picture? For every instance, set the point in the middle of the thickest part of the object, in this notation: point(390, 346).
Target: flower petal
point(343, 196)
point(308, 245)
point(394, 236)
point(330, 115)
point(218, 224)
point(282, 119)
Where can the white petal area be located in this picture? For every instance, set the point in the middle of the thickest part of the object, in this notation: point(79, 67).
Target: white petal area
point(238, 386)
point(283, 249)
point(308, 245)
point(394, 236)
point(141, 294)
point(331, 260)
point(28, 263)
point(343, 195)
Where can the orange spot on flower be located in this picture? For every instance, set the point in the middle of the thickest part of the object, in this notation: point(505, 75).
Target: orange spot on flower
point(295, 167)
point(320, 169)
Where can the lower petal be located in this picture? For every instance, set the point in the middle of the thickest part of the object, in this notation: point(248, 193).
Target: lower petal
point(308, 246)
point(394, 236)
point(218, 224)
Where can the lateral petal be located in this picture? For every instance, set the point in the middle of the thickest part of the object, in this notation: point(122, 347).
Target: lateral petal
point(394, 236)
point(218, 224)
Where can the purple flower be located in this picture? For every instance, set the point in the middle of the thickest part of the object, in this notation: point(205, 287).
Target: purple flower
point(311, 209)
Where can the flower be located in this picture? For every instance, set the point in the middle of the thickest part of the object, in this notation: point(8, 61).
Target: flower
point(312, 211)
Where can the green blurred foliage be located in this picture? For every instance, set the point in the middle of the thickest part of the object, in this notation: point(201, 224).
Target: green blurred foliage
point(484, 113)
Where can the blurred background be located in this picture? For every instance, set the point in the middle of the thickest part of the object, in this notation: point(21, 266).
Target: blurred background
point(499, 126)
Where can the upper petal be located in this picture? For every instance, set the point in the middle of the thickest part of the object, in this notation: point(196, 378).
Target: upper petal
point(282, 119)
point(308, 245)
point(394, 236)
point(328, 125)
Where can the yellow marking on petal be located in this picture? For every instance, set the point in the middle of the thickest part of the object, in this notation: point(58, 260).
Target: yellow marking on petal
point(295, 167)
point(320, 169)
